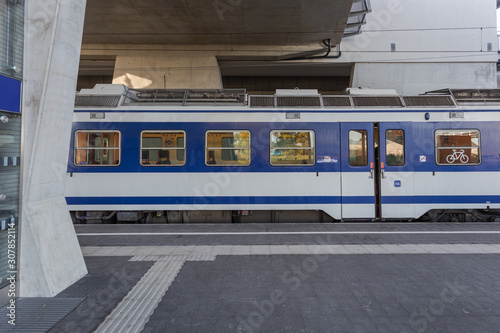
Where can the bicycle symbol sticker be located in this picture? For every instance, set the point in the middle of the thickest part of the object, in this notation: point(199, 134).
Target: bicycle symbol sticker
point(457, 156)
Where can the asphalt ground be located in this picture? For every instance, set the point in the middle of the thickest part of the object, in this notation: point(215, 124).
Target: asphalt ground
point(387, 277)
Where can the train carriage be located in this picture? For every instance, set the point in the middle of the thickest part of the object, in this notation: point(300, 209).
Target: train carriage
point(223, 156)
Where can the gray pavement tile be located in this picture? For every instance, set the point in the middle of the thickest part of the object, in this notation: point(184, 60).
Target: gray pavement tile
point(387, 324)
point(227, 308)
point(458, 324)
point(310, 307)
point(257, 292)
point(247, 306)
point(492, 321)
point(168, 306)
point(480, 305)
point(362, 325)
point(176, 324)
point(272, 323)
point(294, 324)
point(290, 309)
point(229, 295)
point(202, 325)
point(338, 324)
point(317, 324)
point(207, 308)
point(187, 307)
point(225, 325)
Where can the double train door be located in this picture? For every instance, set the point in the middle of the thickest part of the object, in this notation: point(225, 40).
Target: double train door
point(376, 180)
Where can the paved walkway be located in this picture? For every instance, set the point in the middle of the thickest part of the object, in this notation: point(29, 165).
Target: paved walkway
point(287, 278)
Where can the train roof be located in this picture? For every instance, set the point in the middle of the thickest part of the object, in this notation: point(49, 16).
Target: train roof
point(116, 95)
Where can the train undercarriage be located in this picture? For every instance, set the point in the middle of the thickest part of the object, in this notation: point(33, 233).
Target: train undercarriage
point(266, 216)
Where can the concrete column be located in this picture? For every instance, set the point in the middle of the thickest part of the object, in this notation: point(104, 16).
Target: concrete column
point(170, 72)
point(417, 78)
point(50, 258)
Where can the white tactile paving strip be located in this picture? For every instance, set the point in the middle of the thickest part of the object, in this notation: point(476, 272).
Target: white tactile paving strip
point(133, 312)
point(212, 251)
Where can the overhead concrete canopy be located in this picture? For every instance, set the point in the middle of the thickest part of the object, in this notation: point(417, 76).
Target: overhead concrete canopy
point(235, 22)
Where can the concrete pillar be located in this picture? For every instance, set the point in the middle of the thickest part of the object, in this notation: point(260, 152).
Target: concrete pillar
point(50, 258)
point(170, 72)
point(417, 78)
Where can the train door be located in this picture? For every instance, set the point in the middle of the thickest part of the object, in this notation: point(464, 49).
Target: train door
point(358, 168)
point(396, 172)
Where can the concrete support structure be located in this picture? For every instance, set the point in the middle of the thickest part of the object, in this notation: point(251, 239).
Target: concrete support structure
point(417, 78)
point(50, 256)
point(417, 46)
point(411, 46)
point(174, 72)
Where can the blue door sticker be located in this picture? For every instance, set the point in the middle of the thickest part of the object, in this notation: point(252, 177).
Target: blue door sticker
point(397, 183)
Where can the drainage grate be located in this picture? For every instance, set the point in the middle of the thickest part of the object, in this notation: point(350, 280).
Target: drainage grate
point(38, 314)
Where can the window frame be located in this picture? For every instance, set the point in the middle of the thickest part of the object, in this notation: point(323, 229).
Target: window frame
point(436, 148)
point(313, 148)
point(404, 147)
point(249, 148)
point(162, 148)
point(75, 148)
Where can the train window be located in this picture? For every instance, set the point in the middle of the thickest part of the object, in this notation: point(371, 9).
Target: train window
point(163, 148)
point(395, 147)
point(97, 148)
point(293, 148)
point(227, 148)
point(358, 148)
point(458, 147)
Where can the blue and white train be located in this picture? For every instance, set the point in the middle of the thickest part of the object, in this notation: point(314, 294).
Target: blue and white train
point(158, 156)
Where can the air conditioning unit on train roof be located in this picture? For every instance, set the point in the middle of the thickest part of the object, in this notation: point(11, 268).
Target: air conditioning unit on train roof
point(102, 95)
point(371, 92)
point(297, 92)
point(105, 89)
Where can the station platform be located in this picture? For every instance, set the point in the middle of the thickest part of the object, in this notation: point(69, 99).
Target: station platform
point(347, 277)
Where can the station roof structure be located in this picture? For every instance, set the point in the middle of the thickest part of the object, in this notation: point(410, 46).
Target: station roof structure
point(235, 22)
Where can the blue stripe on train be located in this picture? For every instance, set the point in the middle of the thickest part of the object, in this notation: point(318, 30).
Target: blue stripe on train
point(288, 200)
point(256, 200)
point(442, 199)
